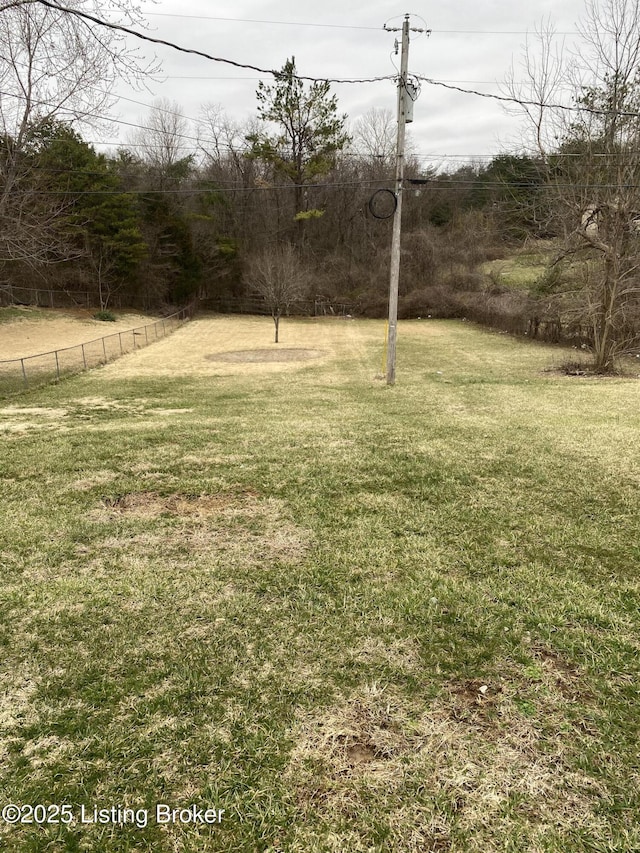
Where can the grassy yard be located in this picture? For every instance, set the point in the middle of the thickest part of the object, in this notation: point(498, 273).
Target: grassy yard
point(353, 617)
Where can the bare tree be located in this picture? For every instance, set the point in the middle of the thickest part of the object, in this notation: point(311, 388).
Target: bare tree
point(164, 137)
point(374, 137)
point(53, 66)
point(278, 277)
point(221, 140)
point(592, 156)
point(541, 77)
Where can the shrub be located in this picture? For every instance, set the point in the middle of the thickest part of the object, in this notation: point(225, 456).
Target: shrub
point(433, 301)
point(106, 316)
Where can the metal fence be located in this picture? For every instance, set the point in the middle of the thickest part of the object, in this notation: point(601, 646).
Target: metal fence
point(50, 298)
point(18, 374)
point(299, 308)
point(45, 298)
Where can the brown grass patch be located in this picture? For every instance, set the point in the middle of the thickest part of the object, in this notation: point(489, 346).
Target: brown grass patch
point(401, 654)
point(60, 328)
point(45, 751)
point(483, 769)
point(562, 674)
point(97, 478)
point(152, 504)
point(361, 735)
point(17, 693)
point(23, 418)
point(236, 526)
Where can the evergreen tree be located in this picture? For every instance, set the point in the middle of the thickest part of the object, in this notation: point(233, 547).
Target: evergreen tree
point(305, 134)
point(98, 219)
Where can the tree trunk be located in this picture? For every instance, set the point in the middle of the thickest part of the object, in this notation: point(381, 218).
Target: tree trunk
point(276, 320)
point(605, 338)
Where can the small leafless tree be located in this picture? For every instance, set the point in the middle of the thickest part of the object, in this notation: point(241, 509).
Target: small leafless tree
point(277, 276)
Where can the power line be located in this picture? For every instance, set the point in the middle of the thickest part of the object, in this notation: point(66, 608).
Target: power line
point(107, 118)
point(154, 107)
point(215, 77)
point(244, 148)
point(500, 32)
point(192, 51)
point(212, 77)
point(341, 26)
point(262, 21)
point(527, 103)
point(273, 72)
point(209, 190)
point(428, 80)
point(615, 157)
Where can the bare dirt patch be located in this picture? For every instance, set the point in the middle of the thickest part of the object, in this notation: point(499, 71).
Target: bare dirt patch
point(561, 674)
point(151, 504)
point(475, 703)
point(267, 355)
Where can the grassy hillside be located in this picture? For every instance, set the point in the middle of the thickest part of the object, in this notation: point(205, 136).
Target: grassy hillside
point(524, 268)
point(353, 617)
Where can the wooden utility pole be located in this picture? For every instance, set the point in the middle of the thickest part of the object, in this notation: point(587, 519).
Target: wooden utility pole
point(404, 105)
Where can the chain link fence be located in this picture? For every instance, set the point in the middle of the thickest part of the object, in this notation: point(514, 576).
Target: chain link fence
point(299, 308)
point(18, 374)
point(11, 294)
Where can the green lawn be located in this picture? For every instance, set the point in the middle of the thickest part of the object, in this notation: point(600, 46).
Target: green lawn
point(522, 271)
point(353, 617)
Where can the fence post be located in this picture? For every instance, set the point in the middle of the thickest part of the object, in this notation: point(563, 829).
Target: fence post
point(120, 339)
point(57, 365)
point(24, 373)
point(146, 335)
point(104, 350)
point(84, 357)
point(163, 329)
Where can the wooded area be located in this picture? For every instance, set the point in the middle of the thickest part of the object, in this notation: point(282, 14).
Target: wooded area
point(207, 210)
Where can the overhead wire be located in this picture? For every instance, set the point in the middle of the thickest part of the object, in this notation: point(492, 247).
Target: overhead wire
point(338, 26)
point(270, 71)
point(261, 21)
point(525, 102)
point(212, 190)
point(108, 119)
point(143, 36)
point(419, 77)
point(156, 107)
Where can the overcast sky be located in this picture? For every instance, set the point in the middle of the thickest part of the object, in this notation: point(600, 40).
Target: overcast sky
point(472, 44)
